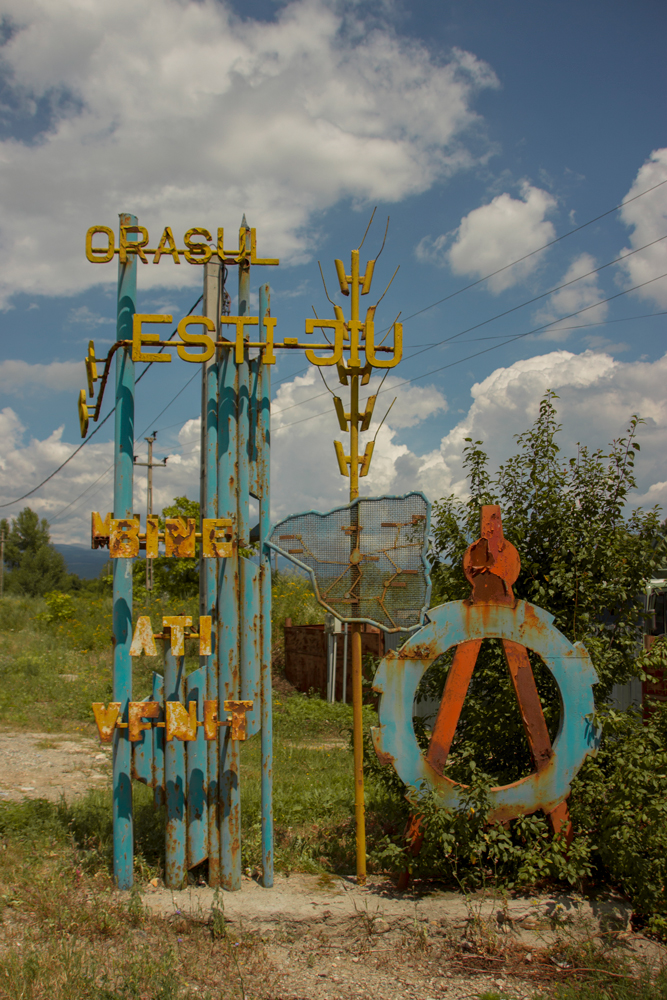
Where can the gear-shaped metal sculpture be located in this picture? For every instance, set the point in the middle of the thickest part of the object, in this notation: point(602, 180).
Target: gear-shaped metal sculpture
point(492, 565)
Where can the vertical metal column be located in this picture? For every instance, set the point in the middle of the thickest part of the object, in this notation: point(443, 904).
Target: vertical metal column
point(357, 687)
point(228, 624)
point(208, 570)
point(123, 835)
point(264, 437)
point(249, 596)
point(174, 774)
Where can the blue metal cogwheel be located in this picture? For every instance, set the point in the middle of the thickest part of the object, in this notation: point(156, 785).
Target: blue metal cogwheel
point(399, 674)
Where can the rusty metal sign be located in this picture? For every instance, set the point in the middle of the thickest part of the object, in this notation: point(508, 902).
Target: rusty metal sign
point(367, 560)
point(492, 565)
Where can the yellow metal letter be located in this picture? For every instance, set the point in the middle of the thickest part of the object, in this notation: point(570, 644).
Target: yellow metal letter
point(91, 368)
point(166, 245)
point(211, 719)
point(196, 338)
point(179, 537)
point(205, 622)
point(238, 710)
point(100, 255)
point(124, 540)
point(136, 711)
point(337, 347)
point(100, 530)
point(239, 322)
point(142, 640)
point(83, 413)
point(133, 246)
point(180, 722)
point(152, 527)
point(177, 624)
point(215, 543)
point(197, 253)
point(370, 346)
point(268, 357)
point(139, 338)
point(106, 719)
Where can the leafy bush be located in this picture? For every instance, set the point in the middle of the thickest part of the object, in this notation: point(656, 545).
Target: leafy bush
point(59, 607)
point(619, 804)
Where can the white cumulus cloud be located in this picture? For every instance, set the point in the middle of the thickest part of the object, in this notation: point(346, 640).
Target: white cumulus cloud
point(597, 395)
point(20, 377)
point(647, 217)
point(494, 235)
point(581, 291)
point(185, 114)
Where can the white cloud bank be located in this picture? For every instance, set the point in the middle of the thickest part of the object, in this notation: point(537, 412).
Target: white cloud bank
point(648, 218)
point(494, 235)
point(20, 378)
point(597, 396)
point(583, 293)
point(186, 115)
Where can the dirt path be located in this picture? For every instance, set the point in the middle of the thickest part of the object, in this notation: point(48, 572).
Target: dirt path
point(325, 938)
point(50, 766)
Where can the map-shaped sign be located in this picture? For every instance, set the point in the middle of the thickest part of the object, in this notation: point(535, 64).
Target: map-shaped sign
point(367, 560)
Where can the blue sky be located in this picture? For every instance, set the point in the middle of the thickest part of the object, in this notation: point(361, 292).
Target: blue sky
point(484, 130)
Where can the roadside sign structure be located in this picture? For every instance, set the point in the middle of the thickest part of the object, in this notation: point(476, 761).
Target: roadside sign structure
point(184, 739)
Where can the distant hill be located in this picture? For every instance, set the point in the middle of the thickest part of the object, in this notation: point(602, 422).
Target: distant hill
point(86, 563)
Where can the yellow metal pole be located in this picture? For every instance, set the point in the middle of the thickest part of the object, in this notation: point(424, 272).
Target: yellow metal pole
point(357, 689)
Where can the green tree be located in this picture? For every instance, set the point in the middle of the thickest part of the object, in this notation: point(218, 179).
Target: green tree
point(584, 558)
point(35, 566)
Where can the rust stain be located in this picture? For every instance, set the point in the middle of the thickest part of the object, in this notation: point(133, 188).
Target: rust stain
point(179, 537)
point(124, 538)
point(422, 651)
point(238, 720)
point(138, 710)
point(385, 758)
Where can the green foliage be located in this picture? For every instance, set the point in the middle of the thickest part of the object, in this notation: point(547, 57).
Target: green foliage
point(59, 607)
point(619, 804)
point(586, 561)
point(177, 578)
point(582, 557)
point(35, 566)
point(292, 597)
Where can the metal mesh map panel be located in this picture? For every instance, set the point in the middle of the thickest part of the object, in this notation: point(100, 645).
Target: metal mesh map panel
point(367, 560)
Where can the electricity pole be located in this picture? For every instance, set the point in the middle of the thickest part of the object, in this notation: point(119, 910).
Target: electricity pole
point(149, 496)
point(2, 560)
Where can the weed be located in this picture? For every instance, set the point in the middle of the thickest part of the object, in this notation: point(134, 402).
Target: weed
point(217, 920)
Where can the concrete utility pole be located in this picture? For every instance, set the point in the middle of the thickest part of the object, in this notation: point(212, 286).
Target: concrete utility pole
point(2, 560)
point(149, 496)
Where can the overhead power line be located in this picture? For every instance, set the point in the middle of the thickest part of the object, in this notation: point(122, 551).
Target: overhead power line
point(505, 267)
point(494, 347)
point(506, 312)
point(532, 253)
point(94, 432)
point(465, 288)
point(110, 467)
